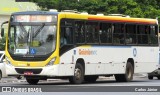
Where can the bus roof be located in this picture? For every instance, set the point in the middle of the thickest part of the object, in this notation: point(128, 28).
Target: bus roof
point(110, 18)
point(92, 17)
point(35, 13)
point(123, 19)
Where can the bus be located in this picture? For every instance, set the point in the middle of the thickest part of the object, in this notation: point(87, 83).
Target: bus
point(80, 47)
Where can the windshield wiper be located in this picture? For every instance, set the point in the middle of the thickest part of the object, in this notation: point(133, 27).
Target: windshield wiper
point(39, 30)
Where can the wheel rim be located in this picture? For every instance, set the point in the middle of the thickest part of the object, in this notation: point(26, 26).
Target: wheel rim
point(129, 73)
point(78, 73)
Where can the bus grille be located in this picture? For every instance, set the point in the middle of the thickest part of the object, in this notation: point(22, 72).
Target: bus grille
point(22, 71)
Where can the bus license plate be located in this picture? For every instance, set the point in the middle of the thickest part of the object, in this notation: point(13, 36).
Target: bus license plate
point(28, 73)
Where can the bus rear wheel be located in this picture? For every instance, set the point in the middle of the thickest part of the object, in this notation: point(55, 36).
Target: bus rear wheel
point(78, 75)
point(0, 75)
point(128, 76)
point(32, 81)
point(150, 77)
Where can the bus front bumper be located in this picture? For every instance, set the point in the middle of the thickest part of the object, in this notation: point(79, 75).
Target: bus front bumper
point(49, 71)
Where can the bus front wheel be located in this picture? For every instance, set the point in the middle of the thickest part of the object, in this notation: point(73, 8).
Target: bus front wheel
point(78, 75)
point(32, 81)
point(128, 76)
point(158, 77)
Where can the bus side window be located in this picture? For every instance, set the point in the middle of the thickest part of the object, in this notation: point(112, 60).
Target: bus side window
point(130, 34)
point(68, 35)
point(105, 33)
point(118, 34)
point(153, 35)
point(92, 35)
point(89, 33)
point(79, 32)
point(66, 32)
point(142, 34)
point(63, 40)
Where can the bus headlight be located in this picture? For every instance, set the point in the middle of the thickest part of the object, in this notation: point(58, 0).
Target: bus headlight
point(8, 61)
point(51, 62)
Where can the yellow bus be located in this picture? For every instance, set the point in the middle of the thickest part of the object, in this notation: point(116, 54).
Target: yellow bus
point(80, 47)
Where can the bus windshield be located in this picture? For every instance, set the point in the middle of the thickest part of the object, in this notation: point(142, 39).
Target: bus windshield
point(32, 39)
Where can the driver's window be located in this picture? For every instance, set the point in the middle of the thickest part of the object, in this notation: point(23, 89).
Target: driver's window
point(63, 39)
point(66, 32)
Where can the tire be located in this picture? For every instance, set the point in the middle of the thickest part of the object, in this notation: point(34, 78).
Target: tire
point(32, 81)
point(118, 77)
point(158, 77)
point(78, 75)
point(90, 79)
point(150, 77)
point(0, 75)
point(128, 76)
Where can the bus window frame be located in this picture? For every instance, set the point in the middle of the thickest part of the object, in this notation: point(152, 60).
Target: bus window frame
point(67, 26)
point(156, 34)
point(92, 43)
point(74, 36)
point(98, 23)
point(113, 32)
point(135, 33)
point(107, 43)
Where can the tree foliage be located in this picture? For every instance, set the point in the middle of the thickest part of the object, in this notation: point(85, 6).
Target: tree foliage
point(2, 43)
point(134, 8)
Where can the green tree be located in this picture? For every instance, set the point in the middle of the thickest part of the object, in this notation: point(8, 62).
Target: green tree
point(2, 43)
point(47, 4)
point(150, 8)
point(134, 8)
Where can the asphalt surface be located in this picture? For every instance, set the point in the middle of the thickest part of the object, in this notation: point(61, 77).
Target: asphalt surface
point(103, 84)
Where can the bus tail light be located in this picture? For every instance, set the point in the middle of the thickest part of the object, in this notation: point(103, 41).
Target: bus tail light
point(51, 62)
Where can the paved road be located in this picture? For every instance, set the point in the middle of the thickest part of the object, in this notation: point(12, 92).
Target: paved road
point(102, 85)
point(102, 81)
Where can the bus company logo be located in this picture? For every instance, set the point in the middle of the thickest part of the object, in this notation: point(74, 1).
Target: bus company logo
point(87, 52)
point(6, 89)
point(21, 89)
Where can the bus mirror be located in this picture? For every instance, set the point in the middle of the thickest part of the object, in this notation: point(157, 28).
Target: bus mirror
point(2, 32)
point(2, 29)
